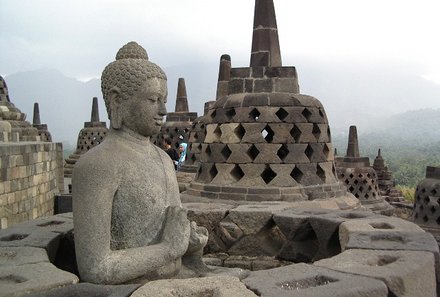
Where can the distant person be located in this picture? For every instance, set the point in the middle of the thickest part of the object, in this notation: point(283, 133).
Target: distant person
point(182, 151)
point(174, 155)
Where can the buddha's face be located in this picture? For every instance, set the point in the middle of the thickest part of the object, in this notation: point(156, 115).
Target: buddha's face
point(143, 113)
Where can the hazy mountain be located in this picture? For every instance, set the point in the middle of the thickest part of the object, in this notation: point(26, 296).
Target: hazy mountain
point(65, 103)
point(366, 95)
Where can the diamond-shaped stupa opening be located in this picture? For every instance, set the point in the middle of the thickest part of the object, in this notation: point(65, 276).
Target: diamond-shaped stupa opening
point(230, 113)
point(237, 173)
point(316, 131)
point(296, 174)
point(218, 132)
point(295, 132)
point(213, 172)
point(309, 151)
point(307, 114)
point(239, 131)
point(226, 152)
point(282, 114)
point(283, 151)
point(208, 150)
point(254, 114)
point(320, 173)
point(326, 150)
point(268, 175)
point(253, 152)
point(268, 134)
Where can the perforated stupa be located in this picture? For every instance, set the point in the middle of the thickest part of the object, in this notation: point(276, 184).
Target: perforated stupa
point(90, 136)
point(178, 123)
point(361, 179)
point(264, 140)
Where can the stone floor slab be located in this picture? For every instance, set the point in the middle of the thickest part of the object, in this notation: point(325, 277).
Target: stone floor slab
point(407, 274)
point(302, 280)
point(219, 286)
point(13, 256)
point(31, 278)
point(89, 290)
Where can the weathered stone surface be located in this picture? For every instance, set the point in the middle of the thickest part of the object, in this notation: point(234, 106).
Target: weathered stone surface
point(405, 273)
point(251, 218)
point(313, 233)
point(89, 290)
point(30, 278)
point(56, 224)
point(134, 226)
point(221, 286)
point(28, 237)
point(14, 256)
point(375, 225)
point(307, 280)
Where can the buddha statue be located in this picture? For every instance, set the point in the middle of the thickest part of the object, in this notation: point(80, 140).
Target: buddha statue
point(128, 219)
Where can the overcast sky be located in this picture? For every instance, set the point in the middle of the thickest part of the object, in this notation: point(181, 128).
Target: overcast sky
point(80, 37)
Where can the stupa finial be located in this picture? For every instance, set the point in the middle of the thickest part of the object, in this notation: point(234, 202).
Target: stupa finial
point(95, 112)
point(181, 98)
point(36, 118)
point(265, 42)
point(353, 143)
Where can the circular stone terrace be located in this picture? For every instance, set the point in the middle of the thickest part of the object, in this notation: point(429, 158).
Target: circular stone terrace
point(289, 250)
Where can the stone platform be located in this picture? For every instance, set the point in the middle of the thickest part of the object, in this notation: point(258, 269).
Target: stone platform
point(342, 253)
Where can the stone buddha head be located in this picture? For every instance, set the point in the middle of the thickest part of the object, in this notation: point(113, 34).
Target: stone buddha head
point(135, 92)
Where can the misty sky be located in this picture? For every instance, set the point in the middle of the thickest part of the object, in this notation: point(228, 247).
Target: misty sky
point(80, 37)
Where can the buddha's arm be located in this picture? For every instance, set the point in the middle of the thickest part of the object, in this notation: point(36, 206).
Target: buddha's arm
point(93, 190)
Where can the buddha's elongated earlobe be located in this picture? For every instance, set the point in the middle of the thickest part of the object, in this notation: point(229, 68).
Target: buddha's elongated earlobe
point(115, 108)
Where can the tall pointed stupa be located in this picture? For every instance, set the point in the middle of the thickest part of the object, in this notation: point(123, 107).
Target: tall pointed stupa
point(264, 140)
point(93, 133)
point(42, 128)
point(21, 130)
point(361, 179)
point(178, 123)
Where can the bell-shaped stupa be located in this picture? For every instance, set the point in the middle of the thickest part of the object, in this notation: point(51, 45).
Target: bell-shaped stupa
point(359, 177)
point(264, 140)
point(178, 123)
point(385, 180)
point(90, 136)
point(21, 130)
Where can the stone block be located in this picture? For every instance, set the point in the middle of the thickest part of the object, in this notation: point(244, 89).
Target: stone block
point(224, 175)
point(90, 290)
point(253, 133)
point(29, 237)
point(251, 218)
point(283, 176)
point(407, 274)
point(56, 224)
point(380, 225)
point(263, 85)
point(213, 133)
point(239, 153)
point(229, 134)
point(206, 286)
point(252, 175)
point(313, 233)
point(306, 100)
point(31, 278)
point(236, 86)
point(14, 256)
point(267, 153)
point(305, 133)
point(304, 280)
point(255, 99)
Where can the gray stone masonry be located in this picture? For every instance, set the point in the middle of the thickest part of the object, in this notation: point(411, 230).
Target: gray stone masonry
point(30, 176)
